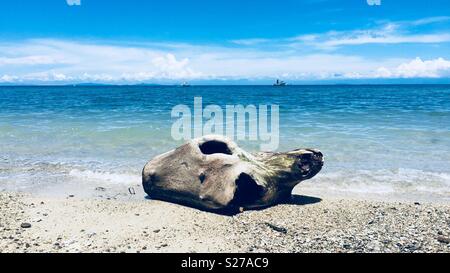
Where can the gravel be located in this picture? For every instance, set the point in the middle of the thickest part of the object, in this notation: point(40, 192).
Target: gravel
point(73, 225)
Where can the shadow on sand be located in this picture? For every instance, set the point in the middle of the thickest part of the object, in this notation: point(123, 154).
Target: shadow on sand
point(302, 200)
point(296, 200)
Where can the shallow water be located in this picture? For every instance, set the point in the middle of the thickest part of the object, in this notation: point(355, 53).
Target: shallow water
point(386, 141)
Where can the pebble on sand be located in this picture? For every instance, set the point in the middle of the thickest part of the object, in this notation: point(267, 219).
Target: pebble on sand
point(443, 240)
point(276, 228)
point(25, 225)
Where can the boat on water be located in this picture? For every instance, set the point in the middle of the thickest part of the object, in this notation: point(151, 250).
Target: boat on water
point(279, 83)
point(185, 84)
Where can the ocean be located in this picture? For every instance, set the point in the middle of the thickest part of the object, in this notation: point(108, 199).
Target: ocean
point(379, 141)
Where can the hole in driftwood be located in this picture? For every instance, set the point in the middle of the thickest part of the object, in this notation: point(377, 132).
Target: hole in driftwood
point(202, 177)
point(214, 147)
point(247, 190)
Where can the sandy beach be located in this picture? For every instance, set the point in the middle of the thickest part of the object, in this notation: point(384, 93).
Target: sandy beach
point(307, 224)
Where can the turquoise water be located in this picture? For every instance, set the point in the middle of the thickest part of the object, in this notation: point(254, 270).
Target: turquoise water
point(377, 140)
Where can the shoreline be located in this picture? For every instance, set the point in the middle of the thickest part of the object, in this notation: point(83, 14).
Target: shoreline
point(308, 224)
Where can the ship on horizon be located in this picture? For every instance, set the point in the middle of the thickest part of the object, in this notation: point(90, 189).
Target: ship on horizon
point(279, 83)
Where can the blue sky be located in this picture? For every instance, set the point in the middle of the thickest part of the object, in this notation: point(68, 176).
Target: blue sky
point(50, 41)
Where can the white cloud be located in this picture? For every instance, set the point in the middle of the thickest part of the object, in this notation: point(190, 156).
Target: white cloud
point(169, 67)
point(268, 65)
point(8, 78)
point(51, 60)
point(417, 68)
point(391, 33)
point(28, 60)
point(250, 42)
point(361, 38)
point(430, 20)
point(308, 56)
point(80, 61)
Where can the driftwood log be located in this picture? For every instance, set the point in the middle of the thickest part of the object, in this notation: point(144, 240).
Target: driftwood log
point(213, 173)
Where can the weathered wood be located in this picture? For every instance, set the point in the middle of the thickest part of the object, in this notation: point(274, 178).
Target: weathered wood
point(213, 173)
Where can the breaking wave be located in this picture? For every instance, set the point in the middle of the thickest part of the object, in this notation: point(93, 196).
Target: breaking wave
point(105, 177)
point(390, 183)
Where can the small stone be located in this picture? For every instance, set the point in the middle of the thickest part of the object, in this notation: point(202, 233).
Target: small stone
point(156, 230)
point(278, 229)
point(444, 240)
point(25, 225)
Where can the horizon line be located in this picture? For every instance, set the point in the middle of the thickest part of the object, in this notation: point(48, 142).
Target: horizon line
point(195, 85)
